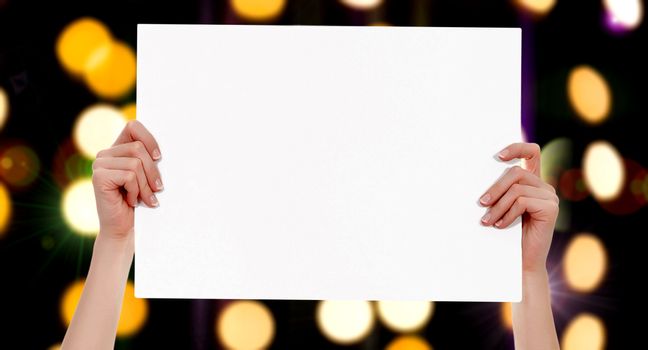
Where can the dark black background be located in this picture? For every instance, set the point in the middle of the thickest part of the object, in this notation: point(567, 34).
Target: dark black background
point(32, 278)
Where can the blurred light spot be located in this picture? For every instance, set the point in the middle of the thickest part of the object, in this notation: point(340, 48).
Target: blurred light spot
point(245, 324)
point(585, 262)
point(96, 128)
point(408, 342)
point(555, 157)
point(627, 202)
point(589, 94)
point(56, 346)
point(79, 41)
point(111, 72)
point(572, 185)
point(626, 14)
point(506, 310)
point(129, 111)
point(4, 107)
point(538, 7)
point(133, 314)
point(345, 322)
point(79, 207)
point(405, 316)
point(5, 209)
point(584, 332)
point(380, 24)
point(258, 10)
point(19, 165)
point(362, 4)
point(68, 164)
point(603, 170)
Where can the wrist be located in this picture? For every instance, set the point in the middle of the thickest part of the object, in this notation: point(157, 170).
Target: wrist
point(109, 241)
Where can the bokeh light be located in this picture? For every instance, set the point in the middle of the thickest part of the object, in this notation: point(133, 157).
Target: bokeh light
point(68, 164)
point(572, 185)
point(245, 324)
point(537, 7)
point(344, 321)
point(258, 10)
point(603, 170)
point(408, 342)
point(111, 72)
point(129, 111)
point(405, 316)
point(624, 14)
point(585, 262)
point(362, 4)
point(506, 311)
point(584, 332)
point(79, 42)
point(132, 318)
point(79, 207)
point(629, 200)
point(5, 209)
point(4, 107)
point(555, 157)
point(589, 94)
point(19, 165)
point(96, 128)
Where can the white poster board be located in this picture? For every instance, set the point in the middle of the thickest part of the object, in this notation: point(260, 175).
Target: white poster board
point(327, 162)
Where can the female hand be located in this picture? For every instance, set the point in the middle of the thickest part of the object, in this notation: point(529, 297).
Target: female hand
point(123, 175)
point(520, 191)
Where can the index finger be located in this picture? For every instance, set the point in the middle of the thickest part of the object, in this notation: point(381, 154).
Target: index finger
point(530, 152)
point(135, 131)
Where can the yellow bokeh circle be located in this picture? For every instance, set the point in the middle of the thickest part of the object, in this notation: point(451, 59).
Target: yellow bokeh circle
point(111, 72)
point(245, 324)
point(345, 322)
point(79, 207)
point(589, 94)
point(408, 342)
point(4, 107)
point(584, 332)
point(537, 7)
point(129, 111)
point(603, 170)
point(96, 128)
point(5, 209)
point(79, 41)
point(405, 316)
point(258, 10)
point(585, 263)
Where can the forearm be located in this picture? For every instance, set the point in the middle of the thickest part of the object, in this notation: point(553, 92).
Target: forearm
point(94, 324)
point(533, 323)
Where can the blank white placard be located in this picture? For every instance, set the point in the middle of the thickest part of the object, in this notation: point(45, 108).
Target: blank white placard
point(327, 162)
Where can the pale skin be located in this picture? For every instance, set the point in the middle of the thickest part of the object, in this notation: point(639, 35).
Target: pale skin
point(127, 174)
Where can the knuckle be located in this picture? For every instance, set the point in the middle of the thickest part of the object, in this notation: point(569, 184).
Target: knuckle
point(516, 189)
point(131, 124)
point(138, 147)
point(535, 148)
point(100, 153)
point(520, 202)
point(130, 176)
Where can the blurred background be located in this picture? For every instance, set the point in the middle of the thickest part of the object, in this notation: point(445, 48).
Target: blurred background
point(67, 82)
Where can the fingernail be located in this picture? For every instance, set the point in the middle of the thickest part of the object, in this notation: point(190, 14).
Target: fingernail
point(485, 218)
point(156, 154)
point(485, 198)
point(158, 184)
point(503, 153)
point(498, 223)
point(154, 200)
